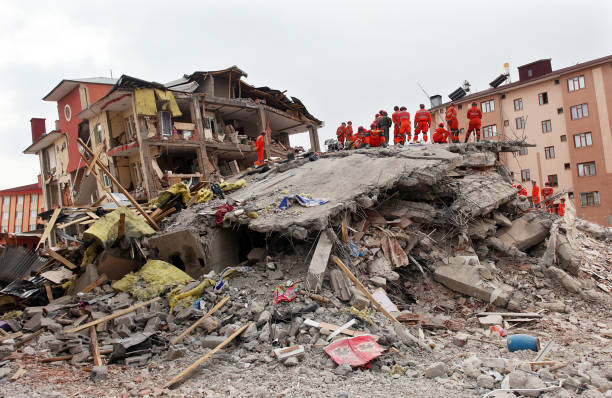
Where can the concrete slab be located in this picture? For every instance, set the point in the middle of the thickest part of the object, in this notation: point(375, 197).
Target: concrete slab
point(318, 263)
point(525, 232)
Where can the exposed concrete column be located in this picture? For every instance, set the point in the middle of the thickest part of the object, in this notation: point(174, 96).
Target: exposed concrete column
point(196, 116)
point(144, 152)
point(314, 139)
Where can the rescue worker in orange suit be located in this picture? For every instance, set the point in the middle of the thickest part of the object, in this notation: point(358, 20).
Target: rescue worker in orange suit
point(405, 130)
point(547, 193)
point(440, 135)
point(475, 116)
point(422, 120)
point(452, 122)
point(360, 137)
point(535, 194)
point(374, 124)
point(341, 135)
point(561, 208)
point(522, 191)
point(349, 128)
point(396, 123)
point(259, 147)
point(375, 139)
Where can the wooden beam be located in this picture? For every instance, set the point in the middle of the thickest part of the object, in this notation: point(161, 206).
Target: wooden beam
point(95, 349)
point(61, 259)
point(198, 106)
point(103, 278)
point(49, 227)
point(143, 152)
point(113, 316)
point(197, 363)
point(360, 286)
point(125, 192)
point(205, 316)
point(95, 158)
point(11, 336)
point(49, 293)
point(165, 214)
point(77, 221)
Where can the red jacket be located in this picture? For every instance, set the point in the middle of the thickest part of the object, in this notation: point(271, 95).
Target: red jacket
point(349, 130)
point(440, 135)
point(561, 209)
point(395, 117)
point(451, 113)
point(375, 138)
point(547, 192)
point(422, 116)
point(260, 142)
point(341, 132)
point(474, 113)
point(535, 191)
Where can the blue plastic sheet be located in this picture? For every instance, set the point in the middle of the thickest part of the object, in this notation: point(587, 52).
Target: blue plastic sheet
point(301, 200)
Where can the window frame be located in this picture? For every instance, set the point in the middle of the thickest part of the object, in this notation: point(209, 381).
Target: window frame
point(582, 168)
point(516, 122)
point(593, 195)
point(489, 131)
point(525, 175)
point(576, 79)
point(20, 199)
point(580, 111)
point(546, 126)
point(543, 98)
point(554, 182)
point(586, 139)
point(518, 101)
point(487, 106)
point(549, 152)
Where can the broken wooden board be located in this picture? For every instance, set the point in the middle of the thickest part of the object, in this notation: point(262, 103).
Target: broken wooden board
point(113, 316)
point(61, 259)
point(204, 317)
point(47, 232)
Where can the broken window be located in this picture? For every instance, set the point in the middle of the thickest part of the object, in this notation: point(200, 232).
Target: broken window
point(165, 124)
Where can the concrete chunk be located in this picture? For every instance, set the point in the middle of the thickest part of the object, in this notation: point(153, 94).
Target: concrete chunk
point(318, 263)
point(340, 284)
point(525, 232)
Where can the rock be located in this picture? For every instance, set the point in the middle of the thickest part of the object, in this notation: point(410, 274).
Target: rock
point(257, 254)
point(264, 317)
point(175, 353)
point(533, 382)
point(212, 341)
point(5, 371)
point(438, 369)
point(126, 320)
point(491, 320)
point(526, 231)
point(568, 282)
point(556, 306)
point(99, 373)
point(79, 357)
point(291, 361)
point(379, 281)
point(485, 381)
point(517, 379)
point(152, 325)
point(250, 333)
point(34, 323)
point(360, 301)
point(501, 220)
point(343, 370)
point(271, 266)
point(460, 339)
point(50, 325)
point(405, 336)
point(257, 307)
point(497, 364)
point(466, 279)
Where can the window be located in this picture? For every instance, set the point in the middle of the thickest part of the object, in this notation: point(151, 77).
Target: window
point(518, 104)
point(579, 111)
point(68, 112)
point(487, 106)
point(582, 140)
point(33, 200)
point(506, 122)
point(19, 215)
point(6, 202)
point(546, 126)
point(525, 175)
point(575, 83)
point(557, 81)
point(586, 169)
point(17, 229)
point(98, 132)
point(32, 227)
point(549, 152)
point(489, 131)
point(520, 123)
point(523, 150)
point(567, 166)
point(559, 110)
point(5, 215)
point(529, 72)
point(564, 137)
point(107, 181)
point(20, 199)
point(33, 215)
point(589, 198)
point(552, 180)
point(543, 98)
point(165, 124)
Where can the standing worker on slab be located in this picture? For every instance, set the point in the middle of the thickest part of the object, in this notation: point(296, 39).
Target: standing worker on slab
point(384, 124)
point(349, 128)
point(440, 135)
point(452, 122)
point(535, 194)
point(547, 193)
point(422, 120)
point(475, 116)
point(396, 123)
point(259, 147)
point(341, 135)
point(561, 208)
point(405, 130)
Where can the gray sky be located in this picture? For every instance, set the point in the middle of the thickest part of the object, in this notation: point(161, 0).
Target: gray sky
point(343, 59)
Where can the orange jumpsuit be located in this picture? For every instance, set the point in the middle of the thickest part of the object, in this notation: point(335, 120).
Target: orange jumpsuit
point(360, 138)
point(341, 134)
point(535, 195)
point(561, 209)
point(547, 192)
point(349, 130)
point(376, 138)
point(396, 124)
point(523, 192)
point(474, 115)
point(452, 123)
point(405, 129)
point(440, 136)
point(259, 146)
point(422, 120)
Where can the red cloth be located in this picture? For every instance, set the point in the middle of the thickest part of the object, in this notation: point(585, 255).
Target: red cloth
point(355, 351)
point(535, 194)
point(221, 211)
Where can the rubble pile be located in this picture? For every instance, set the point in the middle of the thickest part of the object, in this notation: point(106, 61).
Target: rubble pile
point(366, 273)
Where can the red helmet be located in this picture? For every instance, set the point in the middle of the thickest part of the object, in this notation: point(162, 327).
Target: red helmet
point(562, 199)
point(441, 125)
point(377, 115)
point(360, 128)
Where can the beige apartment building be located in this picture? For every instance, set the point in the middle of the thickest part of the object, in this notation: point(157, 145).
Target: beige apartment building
point(566, 114)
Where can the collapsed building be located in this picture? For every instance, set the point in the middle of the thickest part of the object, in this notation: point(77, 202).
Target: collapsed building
point(420, 255)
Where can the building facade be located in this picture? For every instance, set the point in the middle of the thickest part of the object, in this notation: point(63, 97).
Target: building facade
point(566, 114)
point(60, 163)
point(20, 208)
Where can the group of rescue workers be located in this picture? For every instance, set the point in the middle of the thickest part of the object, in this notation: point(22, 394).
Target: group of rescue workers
point(378, 134)
point(547, 194)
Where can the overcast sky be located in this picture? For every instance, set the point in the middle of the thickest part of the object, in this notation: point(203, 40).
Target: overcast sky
point(343, 59)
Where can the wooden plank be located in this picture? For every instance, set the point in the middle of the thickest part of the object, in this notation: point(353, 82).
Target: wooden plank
point(93, 161)
point(208, 314)
point(197, 363)
point(95, 349)
point(165, 214)
point(103, 278)
point(121, 227)
point(29, 337)
point(61, 259)
point(93, 215)
point(319, 260)
point(123, 190)
point(77, 221)
point(332, 327)
point(360, 286)
point(49, 227)
point(49, 293)
point(113, 315)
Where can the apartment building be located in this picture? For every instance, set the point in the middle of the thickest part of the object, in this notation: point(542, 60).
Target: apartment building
point(20, 208)
point(565, 113)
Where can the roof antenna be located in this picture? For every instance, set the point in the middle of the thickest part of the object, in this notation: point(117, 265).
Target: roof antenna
point(111, 73)
point(422, 89)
